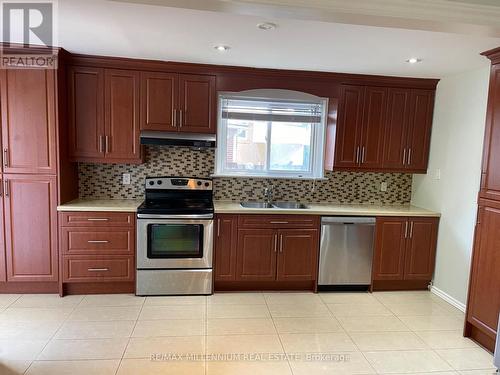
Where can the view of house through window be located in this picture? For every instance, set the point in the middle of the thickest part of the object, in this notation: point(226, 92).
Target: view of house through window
point(271, 137)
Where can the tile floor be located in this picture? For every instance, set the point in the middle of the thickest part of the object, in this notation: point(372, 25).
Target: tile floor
point(270, 333)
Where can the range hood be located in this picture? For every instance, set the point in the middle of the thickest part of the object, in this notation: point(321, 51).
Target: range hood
point(178, 139)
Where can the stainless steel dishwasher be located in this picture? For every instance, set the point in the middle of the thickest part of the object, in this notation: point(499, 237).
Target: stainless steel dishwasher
point(346, 252)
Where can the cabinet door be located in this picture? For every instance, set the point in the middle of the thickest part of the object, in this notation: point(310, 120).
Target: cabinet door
point(86, 113)
point(158, 101)
point(389, 252)
point(419, 129)
point(225, 247)
point(122, 116)
point(421, 248)
point(256, 255)
point(372, 135)
point(484, 295)
point(30, 207)
point(28, 120)
point(298, 254)
point(347, 144)
point(396, 130)
point(198, 105)
point(3, 269)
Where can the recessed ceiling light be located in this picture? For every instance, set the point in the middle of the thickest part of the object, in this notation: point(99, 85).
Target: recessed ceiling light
point(267, 26)
point(413, 60)
point(222, 48)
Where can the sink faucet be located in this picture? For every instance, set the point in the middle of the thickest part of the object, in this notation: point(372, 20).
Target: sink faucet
point(268, 193)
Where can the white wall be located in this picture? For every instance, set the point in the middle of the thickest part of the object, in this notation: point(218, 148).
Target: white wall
point(456, 150)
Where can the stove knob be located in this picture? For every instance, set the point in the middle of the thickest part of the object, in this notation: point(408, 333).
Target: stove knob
point(207, 184)
point(159, 182)
point(198, 183)
point(151, 183)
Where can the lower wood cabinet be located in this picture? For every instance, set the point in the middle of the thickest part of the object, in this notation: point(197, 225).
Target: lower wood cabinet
point(271, 248)
point(405, 250)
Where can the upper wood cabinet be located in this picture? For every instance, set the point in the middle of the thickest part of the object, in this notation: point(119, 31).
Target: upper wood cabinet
point(178, 102)
point(28, 121)
point(405, 248)
point(384, 129)
point(104, 115)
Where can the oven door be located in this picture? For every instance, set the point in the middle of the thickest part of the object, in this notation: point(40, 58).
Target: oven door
point(174, 243)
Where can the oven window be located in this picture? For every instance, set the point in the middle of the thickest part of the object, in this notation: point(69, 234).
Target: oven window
point(175, 241)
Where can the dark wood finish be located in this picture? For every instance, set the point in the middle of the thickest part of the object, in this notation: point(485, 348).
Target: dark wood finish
point(86, 113)
point(111, 287)
point(390, 245)
point(374, 118)
point(278, 221)
point(297, 254)
point(159, 101)
point(32, 287)
point(231, 286)
point(197, 101)
point(396, 131)
point(421, 248)
point(256, 255)
point(122, 128)
point(30, 207)
point(28, 121)
point(381, 285)
point(225, 247)
point(97, 219)
point(476, 334)
point(108, 241)
point(3, 264)
point(98, 268)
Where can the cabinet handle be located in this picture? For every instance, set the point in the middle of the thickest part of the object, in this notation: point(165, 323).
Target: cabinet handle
point(97, 269)
point(363, 155)
point(180, 118)
point(1, 188)
point(97, 219)
point(174, 118)
point(97, 241)
point(409, 156)
point(406, 229)
point(6, 189)
point(281, 243)
point(101, 144)
point(357, 155)
point(5, 157)
point(404, 156)
point(107, 143)
point(275, 243)
point(218, 227)
point(411, 229)
point(279, 222)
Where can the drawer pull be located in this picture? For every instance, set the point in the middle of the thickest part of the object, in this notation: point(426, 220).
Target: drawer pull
point(97, 219)
point(98, 269)
point(97, 241)
point(279, 222)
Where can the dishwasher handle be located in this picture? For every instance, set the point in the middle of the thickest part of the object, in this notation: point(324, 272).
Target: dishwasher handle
point(347, 220)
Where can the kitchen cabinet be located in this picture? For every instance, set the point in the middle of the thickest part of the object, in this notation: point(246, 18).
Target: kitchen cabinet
point(405, 249)
point(225, 247)
point(30, 206)
point(3, 265)
point(297, 258)
point(104, 115)
point(28, 121)
point(178, 102)
point(256, 255)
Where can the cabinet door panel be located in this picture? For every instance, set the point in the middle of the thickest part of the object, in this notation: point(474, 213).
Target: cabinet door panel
point(421, 249)
point(419, 129)
point(349, 128)
point(3, 269)
point(389, 253)
point(225, 247)
point(30, 207)
point(28, 120)
point(197, 103)
point(86, 113)
point(374, 115)
point(298, 255)
point(396, 130)
point(122, 115)
point(158, 101)
point(256, 255)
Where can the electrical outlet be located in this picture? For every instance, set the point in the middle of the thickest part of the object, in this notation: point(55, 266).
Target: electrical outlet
point(437, 174)
point(126, 179)
point(383, 186)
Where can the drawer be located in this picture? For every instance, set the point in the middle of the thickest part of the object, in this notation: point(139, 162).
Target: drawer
point(96, 219)
point(97, 241)
point(278, 221)
point(98, 268)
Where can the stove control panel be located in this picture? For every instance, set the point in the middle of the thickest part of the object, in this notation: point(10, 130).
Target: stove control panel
point(178, 183)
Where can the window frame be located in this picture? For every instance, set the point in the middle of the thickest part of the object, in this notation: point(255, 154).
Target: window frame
point(318, 137)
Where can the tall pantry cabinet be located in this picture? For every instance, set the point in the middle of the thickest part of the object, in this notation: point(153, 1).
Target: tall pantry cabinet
point(483, 305)
point(33, 167)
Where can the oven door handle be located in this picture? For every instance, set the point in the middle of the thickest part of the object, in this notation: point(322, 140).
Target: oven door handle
point(173, 217)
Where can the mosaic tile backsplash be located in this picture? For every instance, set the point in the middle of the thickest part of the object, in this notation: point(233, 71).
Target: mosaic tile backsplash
point(104, 181)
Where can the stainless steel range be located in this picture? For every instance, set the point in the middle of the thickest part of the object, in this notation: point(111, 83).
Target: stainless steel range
point(175, 237)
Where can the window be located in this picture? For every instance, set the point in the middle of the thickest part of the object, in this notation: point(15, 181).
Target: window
point(278, 133)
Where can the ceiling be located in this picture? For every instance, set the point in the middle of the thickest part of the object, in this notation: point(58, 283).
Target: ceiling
point(174, 33)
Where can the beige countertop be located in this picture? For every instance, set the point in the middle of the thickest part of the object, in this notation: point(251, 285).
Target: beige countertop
point(223, 207)
point(103, 205)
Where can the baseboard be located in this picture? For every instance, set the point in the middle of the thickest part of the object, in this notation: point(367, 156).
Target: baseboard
point(445, 296)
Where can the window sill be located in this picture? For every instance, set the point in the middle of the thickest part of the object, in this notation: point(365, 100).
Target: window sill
point(268, 177)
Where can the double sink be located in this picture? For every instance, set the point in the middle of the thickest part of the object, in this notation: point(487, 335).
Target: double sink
point(282, 205)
